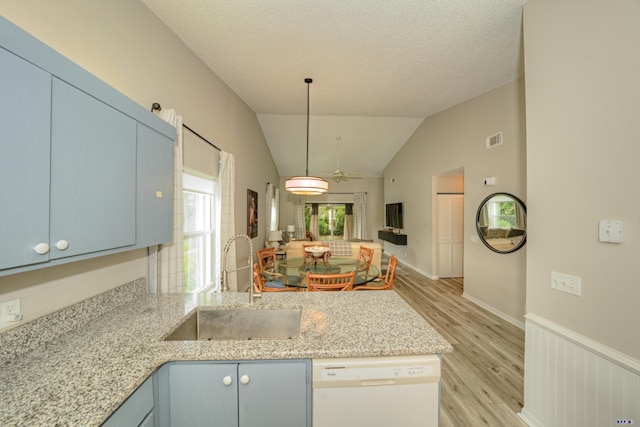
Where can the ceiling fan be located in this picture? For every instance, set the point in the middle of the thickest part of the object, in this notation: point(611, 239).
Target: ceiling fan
point(340, 175)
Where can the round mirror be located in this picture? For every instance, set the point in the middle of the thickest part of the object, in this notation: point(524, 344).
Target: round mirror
point(502, 223)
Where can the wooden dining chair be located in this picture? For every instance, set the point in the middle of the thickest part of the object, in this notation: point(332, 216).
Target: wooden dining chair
point(261, 284)
point(365, 256)
point(386, 281)
point(267, 258)
point(330, 282)
point(267, 265)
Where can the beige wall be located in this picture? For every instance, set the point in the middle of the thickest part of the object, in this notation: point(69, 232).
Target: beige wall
point(449, 143)
point(124, 44)
point(375, 201)
point(583, 133)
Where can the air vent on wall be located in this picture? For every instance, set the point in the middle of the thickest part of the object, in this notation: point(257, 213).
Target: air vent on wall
point(494, 140)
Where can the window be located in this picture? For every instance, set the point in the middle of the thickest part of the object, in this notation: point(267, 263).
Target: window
point(502, 214)
point(330, 220)
point(199, 233)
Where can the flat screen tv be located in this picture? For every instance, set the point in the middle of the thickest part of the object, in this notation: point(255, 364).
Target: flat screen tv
point(393, 215)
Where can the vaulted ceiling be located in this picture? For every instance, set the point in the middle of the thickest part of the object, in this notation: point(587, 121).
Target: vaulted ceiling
point(379, 67)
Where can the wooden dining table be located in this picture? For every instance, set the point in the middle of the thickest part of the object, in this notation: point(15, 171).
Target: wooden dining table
point(335, 265)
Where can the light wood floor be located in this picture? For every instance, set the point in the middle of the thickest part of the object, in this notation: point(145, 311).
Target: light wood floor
point(483, 379)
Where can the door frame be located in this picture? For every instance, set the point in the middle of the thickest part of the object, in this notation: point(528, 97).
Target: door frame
point(447, 182)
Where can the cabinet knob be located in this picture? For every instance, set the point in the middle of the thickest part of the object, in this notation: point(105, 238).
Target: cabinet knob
point(244, 379)
point(227, 380)
point(41, 248)
point(62, 245)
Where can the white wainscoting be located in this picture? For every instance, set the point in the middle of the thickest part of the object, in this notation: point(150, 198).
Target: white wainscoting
point(571, 380)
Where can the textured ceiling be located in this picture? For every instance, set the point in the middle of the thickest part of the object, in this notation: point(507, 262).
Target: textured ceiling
point(379, 67)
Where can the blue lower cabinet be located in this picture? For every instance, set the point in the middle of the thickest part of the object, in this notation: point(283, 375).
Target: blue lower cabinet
point(203, 394)
point(148, 421)
point(137, 410)
point(274, 394)
point(264, 394)
point(221, 394)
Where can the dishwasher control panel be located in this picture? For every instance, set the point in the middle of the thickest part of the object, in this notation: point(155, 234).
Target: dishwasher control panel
point(391, 370)
point(338, 373)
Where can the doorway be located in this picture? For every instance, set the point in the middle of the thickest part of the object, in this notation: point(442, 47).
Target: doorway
point(448, 224)
point(450, 235)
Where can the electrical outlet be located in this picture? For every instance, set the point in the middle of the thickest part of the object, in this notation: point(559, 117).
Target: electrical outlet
point(566, 283)
point(10, 312)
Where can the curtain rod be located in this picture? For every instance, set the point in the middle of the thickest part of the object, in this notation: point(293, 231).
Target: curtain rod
point(201, 137)
point(157, 107)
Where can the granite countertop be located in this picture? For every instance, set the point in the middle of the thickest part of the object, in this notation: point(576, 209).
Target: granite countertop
point(77, 366)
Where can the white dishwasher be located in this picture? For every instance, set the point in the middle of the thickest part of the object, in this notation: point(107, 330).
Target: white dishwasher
point(398, 391)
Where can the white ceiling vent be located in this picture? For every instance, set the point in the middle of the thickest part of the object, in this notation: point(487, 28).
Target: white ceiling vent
point(494, 140)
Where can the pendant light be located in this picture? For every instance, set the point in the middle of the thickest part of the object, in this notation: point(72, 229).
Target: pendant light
point(307, 185)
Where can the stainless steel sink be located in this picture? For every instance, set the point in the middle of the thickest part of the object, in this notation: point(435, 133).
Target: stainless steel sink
point(238, 325)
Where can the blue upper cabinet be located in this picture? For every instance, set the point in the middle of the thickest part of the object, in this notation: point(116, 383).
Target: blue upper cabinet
point(93, 174)
point(155, 188)
point(25, 113)
point(84, 170)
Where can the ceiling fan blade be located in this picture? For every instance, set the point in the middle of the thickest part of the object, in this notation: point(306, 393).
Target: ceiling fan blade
point(339, 175)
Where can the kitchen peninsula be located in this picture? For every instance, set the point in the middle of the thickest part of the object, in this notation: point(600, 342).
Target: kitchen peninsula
point(76, 366)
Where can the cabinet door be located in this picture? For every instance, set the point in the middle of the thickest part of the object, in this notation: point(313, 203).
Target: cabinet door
point(450, 235)
point(25, 120)
point(136, 410)
point(276, 394)
point(198, 395)
point(93, 174)
point(155, 188)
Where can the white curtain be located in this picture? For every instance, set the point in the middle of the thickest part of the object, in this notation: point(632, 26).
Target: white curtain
point(276, 201)
point(166, 261)
point(268, 199)
point(226, 226)
point(348, 221)
point(298, 217)
point(360, 216)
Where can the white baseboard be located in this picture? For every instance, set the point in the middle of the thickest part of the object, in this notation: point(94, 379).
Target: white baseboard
point(487, 307)
point(417, 270)
point(529, 419)
point(495, 311)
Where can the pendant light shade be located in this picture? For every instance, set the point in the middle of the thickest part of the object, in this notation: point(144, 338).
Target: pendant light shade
point(307, 185)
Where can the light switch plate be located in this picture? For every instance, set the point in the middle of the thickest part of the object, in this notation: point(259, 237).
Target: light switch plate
point(610, 231)
point(566, 283)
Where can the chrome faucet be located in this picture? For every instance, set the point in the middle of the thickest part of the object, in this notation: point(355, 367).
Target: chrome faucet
point(225, 286)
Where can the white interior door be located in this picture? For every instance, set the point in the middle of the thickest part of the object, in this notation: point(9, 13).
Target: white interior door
point(450, 235)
